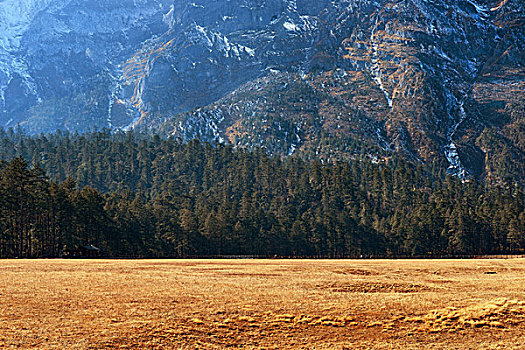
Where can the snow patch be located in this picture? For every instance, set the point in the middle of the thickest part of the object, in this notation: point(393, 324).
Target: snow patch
point(204, 35)
point(297, 141)
point(292, 149)
point(132, 125)
point(221, 43)
point(479, 9)
point(439, 52)
point(115, 88)
point(290, 26)
point(196, 6)
point(168, 17)
point(375, 71)
point(451, 152)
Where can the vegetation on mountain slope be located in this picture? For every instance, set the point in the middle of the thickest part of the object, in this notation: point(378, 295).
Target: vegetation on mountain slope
point(139, 195)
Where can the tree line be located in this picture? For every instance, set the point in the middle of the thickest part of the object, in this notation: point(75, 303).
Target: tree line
point(138, 195)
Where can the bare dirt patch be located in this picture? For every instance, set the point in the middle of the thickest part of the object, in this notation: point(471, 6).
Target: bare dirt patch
point(377, 287)
point(262, 304)
point(356, 272)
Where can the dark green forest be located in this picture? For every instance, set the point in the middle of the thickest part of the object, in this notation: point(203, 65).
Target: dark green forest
point(138, 195)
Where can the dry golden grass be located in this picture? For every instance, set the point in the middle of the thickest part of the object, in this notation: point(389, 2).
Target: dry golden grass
point(262, 304)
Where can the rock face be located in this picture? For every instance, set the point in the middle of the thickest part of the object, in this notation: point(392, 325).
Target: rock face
point(436, 80)
point(60, 59)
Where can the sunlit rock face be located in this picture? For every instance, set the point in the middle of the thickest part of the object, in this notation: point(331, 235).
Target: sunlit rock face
point(435, 81)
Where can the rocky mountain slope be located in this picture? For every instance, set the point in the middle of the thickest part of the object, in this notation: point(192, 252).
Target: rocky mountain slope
point(437, 81)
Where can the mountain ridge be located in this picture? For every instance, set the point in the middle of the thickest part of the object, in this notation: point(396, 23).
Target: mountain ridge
point(438, 81)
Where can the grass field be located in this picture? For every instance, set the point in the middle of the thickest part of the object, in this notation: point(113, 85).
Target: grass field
point(262, 304)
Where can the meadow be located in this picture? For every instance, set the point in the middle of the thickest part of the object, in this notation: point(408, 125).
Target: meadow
point(262, 304)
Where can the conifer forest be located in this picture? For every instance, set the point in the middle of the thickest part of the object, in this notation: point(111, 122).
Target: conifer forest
point(138, 195)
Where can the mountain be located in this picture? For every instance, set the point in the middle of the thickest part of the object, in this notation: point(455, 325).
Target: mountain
point(437, 81)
